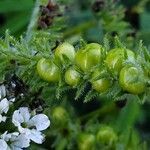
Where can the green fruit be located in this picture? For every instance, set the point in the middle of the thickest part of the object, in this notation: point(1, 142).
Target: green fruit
point(116, 57)
point(47, 70)
point(131, 79)
point(100, 84)
point(89, 57)
point(86, 141)
point(72, 77)
point(65, 50)
point(106, 135)
point(59, 116)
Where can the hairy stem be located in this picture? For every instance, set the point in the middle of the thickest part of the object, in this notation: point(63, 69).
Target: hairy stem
point(33, 21)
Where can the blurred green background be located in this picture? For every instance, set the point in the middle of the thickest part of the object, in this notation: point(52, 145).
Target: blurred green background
point(15, 15)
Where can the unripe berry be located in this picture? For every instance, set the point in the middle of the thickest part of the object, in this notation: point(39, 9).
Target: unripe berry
point(106, 135)
point(65, 50)
point(86, 141)
point(59, 116)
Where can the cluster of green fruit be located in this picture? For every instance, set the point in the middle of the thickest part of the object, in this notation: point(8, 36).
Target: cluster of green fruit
point(104, 136)
point(102, 67)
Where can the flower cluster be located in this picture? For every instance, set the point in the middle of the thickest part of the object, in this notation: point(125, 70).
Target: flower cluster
point(29, 125)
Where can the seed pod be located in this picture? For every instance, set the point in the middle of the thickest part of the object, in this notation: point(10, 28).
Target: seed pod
point(47, 70)
point(116, 57)
point(86, 141)
point(63, 51)
point(89, 57)
point(132, 80)
point(72, 77)
point(106, 135)
point(60, 116)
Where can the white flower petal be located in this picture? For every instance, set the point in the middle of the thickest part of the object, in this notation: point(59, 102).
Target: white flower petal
point(23, 130)
point(15, 148)
point(2, 118)
point(40, 121)
point(10, 136)
point(20, 116)
point(17, 118)
point(2, 91)
point(21, 141)
point(4, 106)
point(5, 136)
point(13, 135)
point(24, 111)
point(3, 145)
point(36, 136)
point(12, 99)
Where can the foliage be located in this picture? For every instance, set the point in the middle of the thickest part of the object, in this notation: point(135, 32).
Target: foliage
point(78, 111)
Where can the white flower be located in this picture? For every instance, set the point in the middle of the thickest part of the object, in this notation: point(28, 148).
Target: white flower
point(30, 126)
point(3, 145)
point(34, 135)
point(2, 91)
point(17, 141)
point(4, 107)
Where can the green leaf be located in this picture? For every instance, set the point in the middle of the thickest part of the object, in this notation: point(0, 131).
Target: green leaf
point(15, 23)
point(126, 119)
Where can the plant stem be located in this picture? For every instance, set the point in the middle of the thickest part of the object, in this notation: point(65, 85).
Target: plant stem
point(33, 20)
